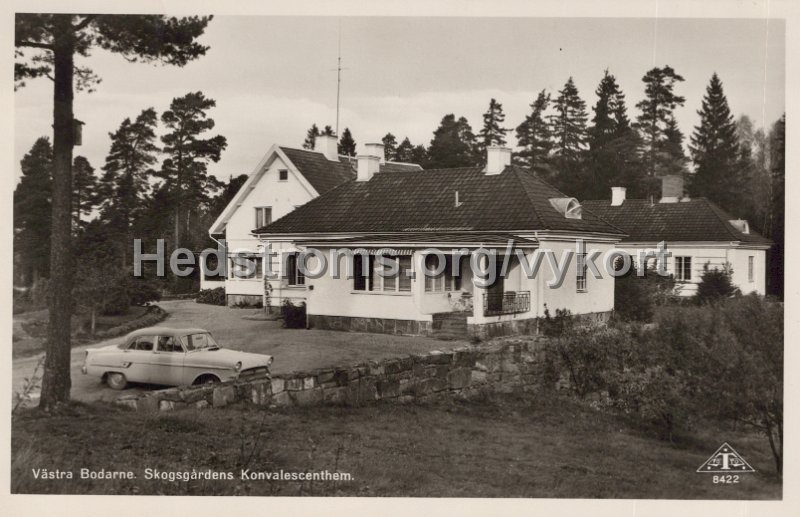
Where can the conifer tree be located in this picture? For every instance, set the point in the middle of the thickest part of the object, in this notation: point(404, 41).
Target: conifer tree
point(347, 146)
point(32, 212)
point(389, 147)
point(715, 151)
point(569, 132)
point(453, 144)
point(656, 115)
point(85, 189)
point(328, 131)
point(778, 216)
point(493, 132)
point(535, 138)
point(405, 151)
point(311, 137)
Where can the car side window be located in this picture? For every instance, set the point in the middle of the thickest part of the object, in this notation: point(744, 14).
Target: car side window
point(142, 343)
point(168, 344)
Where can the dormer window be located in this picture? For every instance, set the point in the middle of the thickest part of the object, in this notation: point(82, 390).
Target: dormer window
point(741, 225)
point(283, 175)
point(567, 206)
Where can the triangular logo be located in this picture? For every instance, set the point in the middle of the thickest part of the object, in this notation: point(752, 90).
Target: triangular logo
point(725, 461)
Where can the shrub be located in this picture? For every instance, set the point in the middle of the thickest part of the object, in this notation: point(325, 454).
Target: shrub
point(635, 297)
point(214, 296)
point(715, 284)
point(294, 316)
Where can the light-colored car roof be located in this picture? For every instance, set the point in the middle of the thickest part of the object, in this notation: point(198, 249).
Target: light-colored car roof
point(165, 331)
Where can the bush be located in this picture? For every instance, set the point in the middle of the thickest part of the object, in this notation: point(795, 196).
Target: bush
point(635, 297)
point(294, 316)
point(715, 284)
point(214, 296)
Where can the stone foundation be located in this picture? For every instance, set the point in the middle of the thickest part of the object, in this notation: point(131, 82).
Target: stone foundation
point(374, 325)
point(528, 326)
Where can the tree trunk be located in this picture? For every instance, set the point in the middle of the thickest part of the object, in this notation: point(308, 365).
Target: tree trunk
point(94, 319)
point(56, 381)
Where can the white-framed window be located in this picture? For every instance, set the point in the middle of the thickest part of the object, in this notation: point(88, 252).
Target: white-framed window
point(683, 269)
point(580, 279)
point(263, 216)
point(294, 275)
point(750, 268)
point(444, 281)
point(246, 267)
point(283, 175)
point(399, 282)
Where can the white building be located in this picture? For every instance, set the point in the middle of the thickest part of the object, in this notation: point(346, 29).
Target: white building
point(447, 209)
point(697, 232)
point(283, 180)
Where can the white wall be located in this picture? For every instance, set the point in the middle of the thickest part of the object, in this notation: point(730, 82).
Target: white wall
point(715, 257)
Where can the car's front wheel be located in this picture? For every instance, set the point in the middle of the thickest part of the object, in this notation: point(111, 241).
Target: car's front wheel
point(206, 379)
point(116, 381)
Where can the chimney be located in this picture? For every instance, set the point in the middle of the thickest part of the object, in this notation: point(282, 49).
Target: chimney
point(617, 196)
point(367, 166)
point(327, 145)
point(375, 150)
point(671, 188)
point(497, 158)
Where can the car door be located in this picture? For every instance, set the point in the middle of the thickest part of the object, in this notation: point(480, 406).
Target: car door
point(167, 367)
point(138, 358)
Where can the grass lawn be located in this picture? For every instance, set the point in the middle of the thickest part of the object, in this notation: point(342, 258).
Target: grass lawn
point(499, 446)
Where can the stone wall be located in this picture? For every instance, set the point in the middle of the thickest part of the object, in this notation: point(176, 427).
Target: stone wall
point(373, 325)
point(507, 365)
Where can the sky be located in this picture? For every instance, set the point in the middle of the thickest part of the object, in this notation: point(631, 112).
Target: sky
point(272, 77)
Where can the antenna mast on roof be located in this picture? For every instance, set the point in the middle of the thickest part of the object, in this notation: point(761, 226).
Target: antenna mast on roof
point(339, 77)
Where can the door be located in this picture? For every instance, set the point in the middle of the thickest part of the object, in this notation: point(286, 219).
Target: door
point(167, 367)
point(496, 291)
point(139, 356)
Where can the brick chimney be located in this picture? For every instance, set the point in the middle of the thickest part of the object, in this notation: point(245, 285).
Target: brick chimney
point(367, 166)
point(375, 150)
point(497, 158)
point(327, 145)
point(617, 195)
point(671, 188)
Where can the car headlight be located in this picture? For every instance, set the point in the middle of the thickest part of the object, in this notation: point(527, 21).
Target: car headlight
point(237, 366)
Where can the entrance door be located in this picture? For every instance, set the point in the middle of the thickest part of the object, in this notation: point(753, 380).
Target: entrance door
point(495, 292)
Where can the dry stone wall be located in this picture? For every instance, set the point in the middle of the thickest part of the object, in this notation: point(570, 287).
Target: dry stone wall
point(505, 365)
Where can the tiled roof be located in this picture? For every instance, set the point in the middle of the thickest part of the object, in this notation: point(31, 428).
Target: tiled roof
point(685, 221)
point(323, 174)
point(425, 238)
point(424, 201)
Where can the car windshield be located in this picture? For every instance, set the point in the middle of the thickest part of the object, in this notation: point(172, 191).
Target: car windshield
point(199, 342)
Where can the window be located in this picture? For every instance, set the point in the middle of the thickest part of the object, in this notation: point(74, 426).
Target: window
point(444, 281)
point(683, 269)
point(373, 280)
point(246, 266)
point(750, 268)
point(263, 216)
point(293, 273)
point(142, 343)
point(580, 281)
point(283, 175)
point(168, 344)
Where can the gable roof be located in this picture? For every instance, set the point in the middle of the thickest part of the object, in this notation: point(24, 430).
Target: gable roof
point(684, 221)
point(317, 174)
point(424, 201)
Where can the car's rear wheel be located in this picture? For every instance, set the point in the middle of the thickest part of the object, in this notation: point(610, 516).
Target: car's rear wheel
point(116, 380)
point(206, 379)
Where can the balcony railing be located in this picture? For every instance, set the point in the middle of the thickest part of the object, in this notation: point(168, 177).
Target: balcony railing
point(512, 302)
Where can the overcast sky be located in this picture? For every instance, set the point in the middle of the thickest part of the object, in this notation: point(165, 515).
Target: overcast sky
point(272, 77)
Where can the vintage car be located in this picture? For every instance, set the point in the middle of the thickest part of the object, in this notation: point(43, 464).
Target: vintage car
point(172, 357)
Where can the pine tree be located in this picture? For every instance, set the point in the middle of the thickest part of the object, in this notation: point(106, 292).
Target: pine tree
point(715, 151)
point(535, 137)
point(33, 212)
point(85, 189)
point(778, 216)
point(328, 131)
point(347, 146)
point(405, 151)
point(185, 171)
point(656, 114)
point(612, 144)
point(389, 147)
point(311, 137)
point(124, 183)
point(569, 132)
point(493, 133)
point(453, 144)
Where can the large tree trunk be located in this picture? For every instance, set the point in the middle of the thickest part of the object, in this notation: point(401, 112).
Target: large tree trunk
point(56, 381)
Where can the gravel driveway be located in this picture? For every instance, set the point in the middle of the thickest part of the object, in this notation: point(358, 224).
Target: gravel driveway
point(292, 349)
